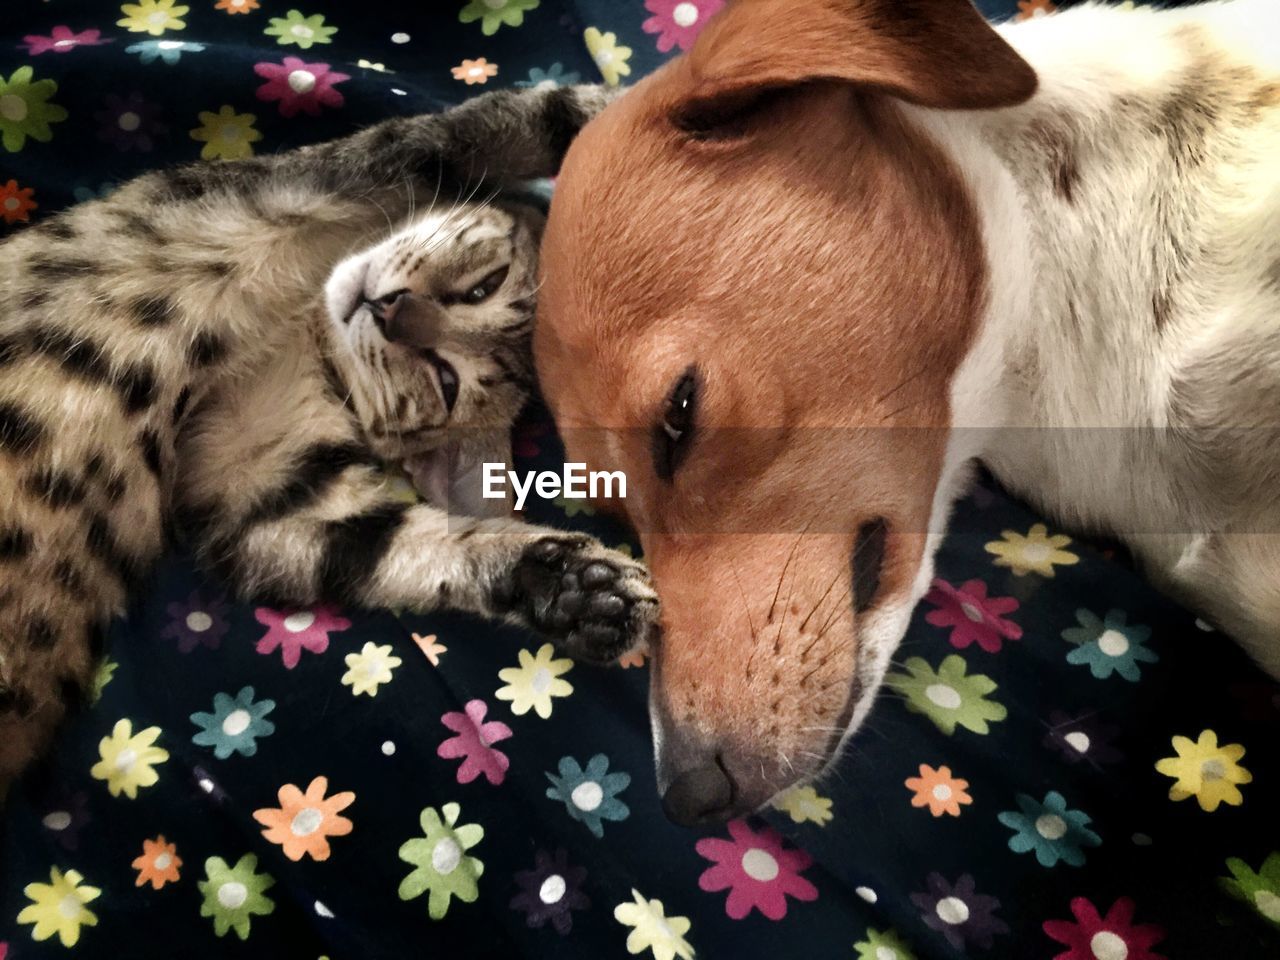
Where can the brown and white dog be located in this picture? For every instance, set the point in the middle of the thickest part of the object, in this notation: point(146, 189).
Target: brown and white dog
point(797, 280)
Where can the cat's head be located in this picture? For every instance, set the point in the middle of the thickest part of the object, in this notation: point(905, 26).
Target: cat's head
point(429, 329)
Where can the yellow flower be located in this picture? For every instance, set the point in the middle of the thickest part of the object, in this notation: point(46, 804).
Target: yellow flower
point(805, 805)
point(1037, 552)
point(532, 684)
point(652, 930)
point(127, 760)
point(152, 16)
point(1206, 771)
point(370, 668)
point(59, 907)
point(610, 58)
point(226, 134)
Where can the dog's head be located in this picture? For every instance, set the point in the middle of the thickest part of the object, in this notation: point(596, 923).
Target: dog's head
point(760, 278)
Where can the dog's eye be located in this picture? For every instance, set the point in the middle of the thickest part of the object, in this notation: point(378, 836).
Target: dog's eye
point(671, 438)
point(483, 290)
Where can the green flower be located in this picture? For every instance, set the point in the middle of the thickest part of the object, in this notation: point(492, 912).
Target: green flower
point(25, 110)
point(1261, 889)
point(441, 864)
point(294, 28)
point(494, 13)
point(101, 677)
point(883, 946)
point(233, 895)
point(574, 507)
point(948, 696)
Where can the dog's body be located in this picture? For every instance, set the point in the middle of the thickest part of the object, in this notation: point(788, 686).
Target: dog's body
point(905, 242)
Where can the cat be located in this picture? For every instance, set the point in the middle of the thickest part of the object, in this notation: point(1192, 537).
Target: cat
point(169, 363)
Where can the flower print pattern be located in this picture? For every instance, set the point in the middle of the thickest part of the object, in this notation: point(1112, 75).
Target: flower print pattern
point(1109, 644)
point(62, 39)
point(963, 916)
point(60, 907)
point(652, 929)
point(1031, 9)
point(1260, 889)
point(971, 615)
point(939, 791)
point(158, 864)
point(1036, 552)
point(298, 86)
point(293, 631)
point(431, 648)
point(26, 110)
point(610, 56)
point(804, 805)
point(233, 896)
point(1109, 936)
point(526, 442)
point(493, 14)
point(533, 684)
point(949, 696)
point(885, 945)
point(197, 622)
point(226, 135)
point(1204, 770)
point(590, 795)
point(474, 743)
point(300, 31)
point(475, 71)
point(757, 868)
point(442, 868)
point(304, 821)
point(1053, 831)
point(235, 725)
point(65, 813)
point(551, 891)
point(370, 668)
point(237, 6)
point(678, 22)
point(167, 52)
point(153, 16)
point(129, 123)
point(128, 761)
point(1084, 738)
point(16, 202)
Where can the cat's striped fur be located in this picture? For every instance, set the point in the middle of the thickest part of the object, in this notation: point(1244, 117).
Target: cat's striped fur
point(167, 362)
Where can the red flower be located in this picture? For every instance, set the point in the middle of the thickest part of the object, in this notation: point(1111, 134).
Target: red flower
point(300, 86)
point(1114, 935)
point(16, 203)
point(757, 869)
point(292, 631)
point(62, 39)
point(472, 742)
point(972, 615)
point(678, 22)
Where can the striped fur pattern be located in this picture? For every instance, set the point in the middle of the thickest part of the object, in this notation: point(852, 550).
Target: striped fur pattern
point(173, 360)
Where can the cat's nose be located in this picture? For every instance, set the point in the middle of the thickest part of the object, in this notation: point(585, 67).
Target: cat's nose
point(409, 320)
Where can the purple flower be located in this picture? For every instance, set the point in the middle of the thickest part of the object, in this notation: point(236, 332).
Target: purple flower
point(1084, 737)
point(129, 123)
point(550, 891)
point(64, 814)
point(959, 912)
point(197, 623)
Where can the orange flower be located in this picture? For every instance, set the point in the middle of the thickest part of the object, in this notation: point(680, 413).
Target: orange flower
point(236, 6)
point(478, 70)
point(633, 659)
point(304, 822)
point(158, 864)
point(938, 790)
point(1027, 9)
point(16, 202)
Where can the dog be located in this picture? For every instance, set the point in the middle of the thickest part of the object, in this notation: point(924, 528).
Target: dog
point(800, 279)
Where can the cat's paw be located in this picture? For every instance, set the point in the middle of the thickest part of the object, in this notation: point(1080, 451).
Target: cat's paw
point(596, 603)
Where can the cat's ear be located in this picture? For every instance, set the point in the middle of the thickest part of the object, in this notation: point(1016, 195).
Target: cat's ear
point(452, 477)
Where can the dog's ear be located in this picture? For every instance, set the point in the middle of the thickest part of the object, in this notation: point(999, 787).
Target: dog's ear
point(935, 53)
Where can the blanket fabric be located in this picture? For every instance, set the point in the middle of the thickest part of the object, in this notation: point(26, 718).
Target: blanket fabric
point(1064, 764)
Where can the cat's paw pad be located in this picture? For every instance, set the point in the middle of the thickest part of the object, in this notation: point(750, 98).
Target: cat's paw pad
point(595, 602)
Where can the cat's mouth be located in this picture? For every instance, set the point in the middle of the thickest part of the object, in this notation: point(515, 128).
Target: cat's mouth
point(446, 379)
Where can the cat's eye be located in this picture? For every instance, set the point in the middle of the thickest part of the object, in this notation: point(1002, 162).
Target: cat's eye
point(674, 431)
point(483, 290)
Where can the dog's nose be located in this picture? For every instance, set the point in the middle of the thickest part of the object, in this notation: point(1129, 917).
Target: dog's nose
point(700, 795)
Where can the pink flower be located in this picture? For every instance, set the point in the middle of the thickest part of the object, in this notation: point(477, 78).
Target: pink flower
point(300, 86)
point(292, 631)
point(972, 615)
point(1114, 935)
point(63, 39)
point(472, 742)
point(757, 870)
point(678, 22)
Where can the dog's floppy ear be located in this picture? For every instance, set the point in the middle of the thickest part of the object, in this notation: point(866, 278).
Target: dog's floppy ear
point(935, 53)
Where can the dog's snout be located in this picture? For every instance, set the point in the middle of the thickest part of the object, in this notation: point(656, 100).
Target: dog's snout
point(701, 795)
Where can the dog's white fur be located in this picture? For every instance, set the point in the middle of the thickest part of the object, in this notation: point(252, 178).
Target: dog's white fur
point(1126, 375)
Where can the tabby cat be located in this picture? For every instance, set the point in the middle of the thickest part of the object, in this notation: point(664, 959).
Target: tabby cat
point(169, 361)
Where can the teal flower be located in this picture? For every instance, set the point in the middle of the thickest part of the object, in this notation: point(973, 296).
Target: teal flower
point(590, 795)
point(305, 32)
point(1050, 829)
point(1109, 645)
point(492, 14)
point(168, 51)
point(235, 724)
point(554, 76)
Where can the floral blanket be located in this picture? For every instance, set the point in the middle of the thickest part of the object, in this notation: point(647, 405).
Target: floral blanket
point(1064, 763)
